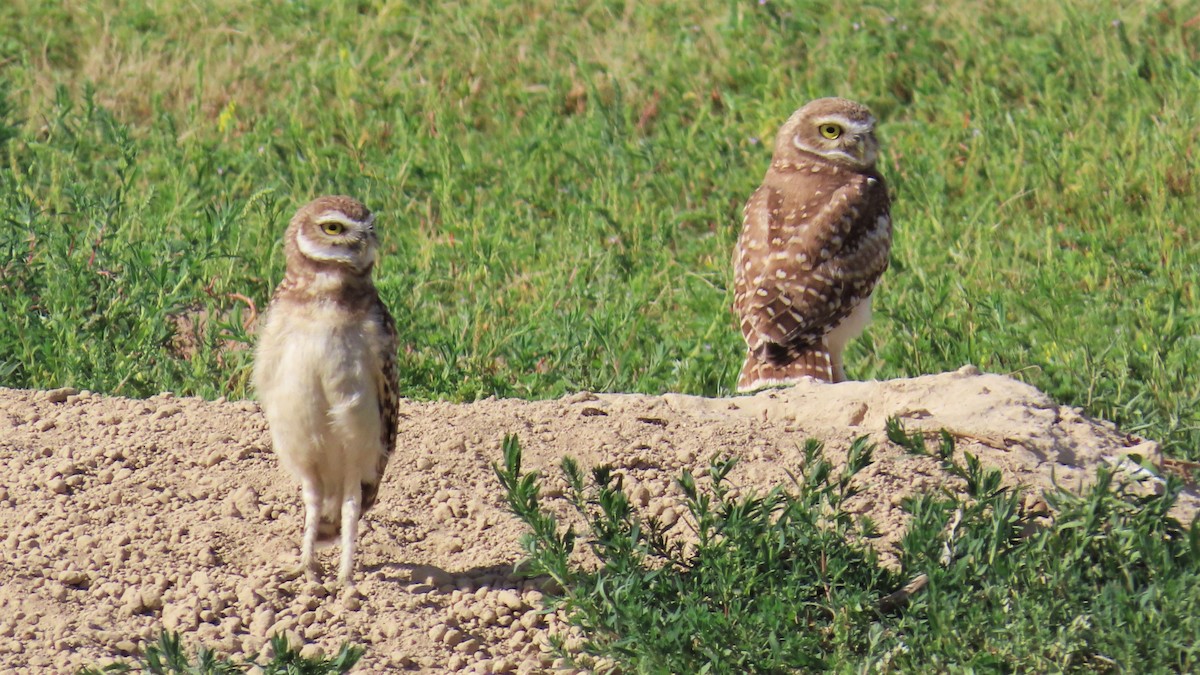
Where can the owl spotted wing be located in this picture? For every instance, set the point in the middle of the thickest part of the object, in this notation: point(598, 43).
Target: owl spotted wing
point(386, 390)
point(800, 271)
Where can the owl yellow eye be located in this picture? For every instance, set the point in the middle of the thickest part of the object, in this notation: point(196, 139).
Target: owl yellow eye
point(830, 131)
point(333, 229)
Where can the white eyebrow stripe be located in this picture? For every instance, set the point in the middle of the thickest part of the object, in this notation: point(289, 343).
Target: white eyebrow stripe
point(852, 126)
point(339, 217)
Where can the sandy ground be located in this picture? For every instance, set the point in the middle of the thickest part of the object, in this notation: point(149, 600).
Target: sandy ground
point(120, 516)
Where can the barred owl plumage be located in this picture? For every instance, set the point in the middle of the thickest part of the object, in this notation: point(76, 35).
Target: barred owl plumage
point(325, 372)
point(815, 240)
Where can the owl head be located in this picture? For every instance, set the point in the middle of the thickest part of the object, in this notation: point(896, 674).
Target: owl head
point(839, 130)
point(332, 234)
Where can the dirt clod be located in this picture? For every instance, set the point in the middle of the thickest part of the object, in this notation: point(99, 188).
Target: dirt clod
point(61, 394)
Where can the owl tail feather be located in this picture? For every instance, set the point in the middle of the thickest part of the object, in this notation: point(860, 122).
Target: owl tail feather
point(759, 372)
point(329, 529)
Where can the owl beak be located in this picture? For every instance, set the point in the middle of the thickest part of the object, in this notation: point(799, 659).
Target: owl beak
point(368, 261)
point(865, 149)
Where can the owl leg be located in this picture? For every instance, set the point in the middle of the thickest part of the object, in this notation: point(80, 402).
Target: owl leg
point(839, 371)
point(849, 328)
point(312, 521)
point(351, 511)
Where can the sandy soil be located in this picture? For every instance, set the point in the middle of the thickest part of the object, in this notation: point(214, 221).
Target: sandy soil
point(119, 516)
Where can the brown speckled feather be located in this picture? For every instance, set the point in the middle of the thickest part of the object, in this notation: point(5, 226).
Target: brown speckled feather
point(387, 388)
point(818, 263)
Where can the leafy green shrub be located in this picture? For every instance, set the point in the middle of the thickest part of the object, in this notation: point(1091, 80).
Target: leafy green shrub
point(783, 581)
point(1111, 584)
point(772, 581)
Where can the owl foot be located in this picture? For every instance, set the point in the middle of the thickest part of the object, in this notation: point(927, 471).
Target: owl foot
point(311, 570)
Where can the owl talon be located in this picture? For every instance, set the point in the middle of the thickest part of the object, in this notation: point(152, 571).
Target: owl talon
point(299, 569)
point(313, 571)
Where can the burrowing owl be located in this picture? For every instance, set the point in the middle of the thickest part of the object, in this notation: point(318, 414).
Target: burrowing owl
point(325, 371)
point(815, 240)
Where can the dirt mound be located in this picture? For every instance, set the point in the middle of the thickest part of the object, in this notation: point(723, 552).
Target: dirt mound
point(119, 516)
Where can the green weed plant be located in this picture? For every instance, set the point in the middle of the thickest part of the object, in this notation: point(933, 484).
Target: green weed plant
point(169, 657)
point(784, 580)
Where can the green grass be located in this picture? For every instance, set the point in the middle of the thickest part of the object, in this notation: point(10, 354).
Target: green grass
point(783, 581)
point(169, 657)
point(560, 187)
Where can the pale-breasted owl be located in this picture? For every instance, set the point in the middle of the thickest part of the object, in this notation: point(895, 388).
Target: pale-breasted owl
point(815, 240)
point(325, 372)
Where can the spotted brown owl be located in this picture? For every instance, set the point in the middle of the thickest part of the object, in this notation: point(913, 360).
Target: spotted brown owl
point(325, 372)
point(815, 240)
